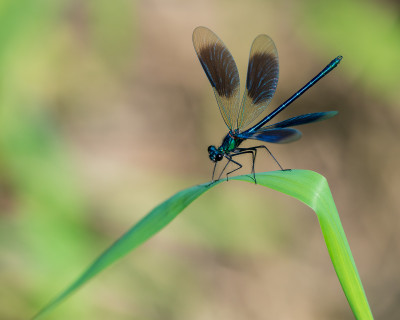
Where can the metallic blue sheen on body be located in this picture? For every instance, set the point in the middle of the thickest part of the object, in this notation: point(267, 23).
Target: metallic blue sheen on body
point(261, 83)
point(313, 81)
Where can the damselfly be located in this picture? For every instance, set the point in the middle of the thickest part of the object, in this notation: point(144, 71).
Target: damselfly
point(261, 83)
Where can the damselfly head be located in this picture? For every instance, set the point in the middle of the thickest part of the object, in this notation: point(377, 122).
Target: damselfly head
point(214, 154)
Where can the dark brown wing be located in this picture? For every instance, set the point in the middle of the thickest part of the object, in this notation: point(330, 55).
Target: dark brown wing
point(221, 71)
point(262, 80)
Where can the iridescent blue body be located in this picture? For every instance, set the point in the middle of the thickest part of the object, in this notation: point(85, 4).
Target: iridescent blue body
point(313, 81)
point(261, 83)
point(229, 144)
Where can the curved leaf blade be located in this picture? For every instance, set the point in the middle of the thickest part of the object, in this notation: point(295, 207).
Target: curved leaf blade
point(149, 225)
point(307, 186)
point(312, 189)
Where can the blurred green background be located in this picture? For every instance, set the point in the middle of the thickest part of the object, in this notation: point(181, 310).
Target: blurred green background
point(105, 112)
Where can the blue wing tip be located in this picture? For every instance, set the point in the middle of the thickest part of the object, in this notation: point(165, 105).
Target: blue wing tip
point(329, 114)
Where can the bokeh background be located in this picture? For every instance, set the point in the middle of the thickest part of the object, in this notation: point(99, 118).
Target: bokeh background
point(105, 112)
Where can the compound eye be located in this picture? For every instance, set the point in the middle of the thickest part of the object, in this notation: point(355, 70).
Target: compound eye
point(219, 157)
point(209, 148)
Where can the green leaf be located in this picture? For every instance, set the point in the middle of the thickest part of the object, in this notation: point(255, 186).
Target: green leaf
point(307, 186)
point(312, 189)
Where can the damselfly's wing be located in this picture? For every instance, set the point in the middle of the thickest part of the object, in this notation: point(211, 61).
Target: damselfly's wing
point(302, 119)
point(262, 80)
point(221, 71)
point(278, 135)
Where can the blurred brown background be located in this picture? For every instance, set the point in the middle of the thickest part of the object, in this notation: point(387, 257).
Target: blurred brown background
point(105, 112)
